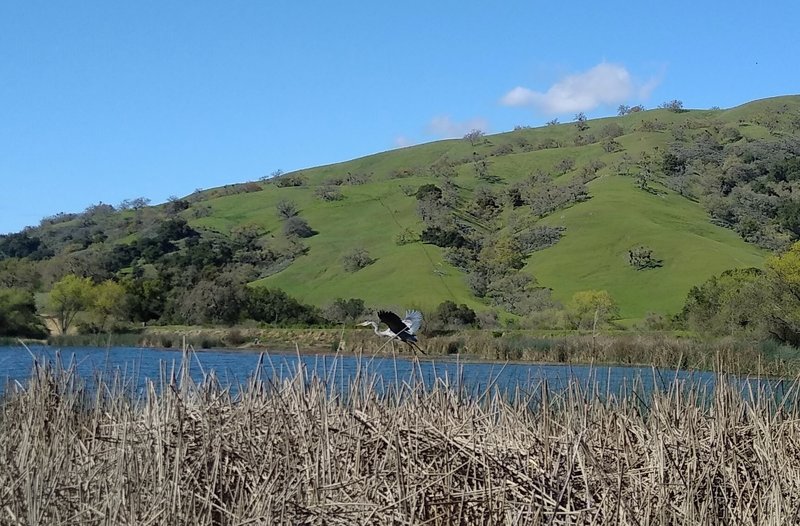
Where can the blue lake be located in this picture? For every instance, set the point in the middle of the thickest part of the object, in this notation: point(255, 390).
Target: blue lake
point(232, 367)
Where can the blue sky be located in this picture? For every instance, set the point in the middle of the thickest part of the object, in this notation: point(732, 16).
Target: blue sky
point(102, 101)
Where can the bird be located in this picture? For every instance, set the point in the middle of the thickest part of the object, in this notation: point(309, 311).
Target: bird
point(404, 329)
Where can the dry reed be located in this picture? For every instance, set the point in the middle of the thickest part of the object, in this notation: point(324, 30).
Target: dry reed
point(306, 450)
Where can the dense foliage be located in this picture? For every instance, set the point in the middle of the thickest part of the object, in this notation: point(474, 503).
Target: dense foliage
point(18, 315)
point(750, 186)
point(750, 302)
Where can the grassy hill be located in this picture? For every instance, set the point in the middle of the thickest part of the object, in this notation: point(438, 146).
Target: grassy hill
point(592, 254)
point(598, 232)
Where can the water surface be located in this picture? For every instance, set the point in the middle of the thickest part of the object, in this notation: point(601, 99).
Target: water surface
point(233, 367)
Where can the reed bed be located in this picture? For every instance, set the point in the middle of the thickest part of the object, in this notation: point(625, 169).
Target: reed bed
point(308, 450)
point(661, 350)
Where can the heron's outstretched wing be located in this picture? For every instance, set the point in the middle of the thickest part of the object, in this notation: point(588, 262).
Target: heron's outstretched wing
point(393, 321)
point(413, 320)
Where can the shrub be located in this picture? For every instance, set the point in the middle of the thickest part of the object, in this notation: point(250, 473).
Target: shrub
point(286, 209)
point(295, 179)
point(611, 146)
point(344, 311)
point(297, 227)
point(548, 143)
point(564, 165)
point(442, 168)
point(611, 131)
point(357, 178)
point(443, 238)
point(448, 315)
point(590, 169)
point(539, 237)
point(356, 259)
point(655, 321)
point(503, 149)
point(652, 126)
point(329, 193)
point(641, 258)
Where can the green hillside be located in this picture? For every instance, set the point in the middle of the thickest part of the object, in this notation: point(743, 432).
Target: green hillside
point(369, 216)
point(694, 187)
point(592, 254)
point(600, 231)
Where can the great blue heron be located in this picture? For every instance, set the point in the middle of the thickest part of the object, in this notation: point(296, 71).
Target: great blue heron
point(404, 329)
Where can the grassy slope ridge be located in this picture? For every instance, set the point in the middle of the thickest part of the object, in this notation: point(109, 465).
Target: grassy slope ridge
point(592, 255)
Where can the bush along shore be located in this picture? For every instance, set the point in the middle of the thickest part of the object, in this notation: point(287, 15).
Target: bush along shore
point(662, 349)
point(301, 450)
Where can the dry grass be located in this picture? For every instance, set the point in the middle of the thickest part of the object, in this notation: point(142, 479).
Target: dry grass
point(302, 451)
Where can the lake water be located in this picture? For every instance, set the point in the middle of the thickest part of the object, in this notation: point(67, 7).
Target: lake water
point(234, 366)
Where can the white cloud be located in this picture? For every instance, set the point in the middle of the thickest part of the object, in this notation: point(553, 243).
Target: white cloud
point(603, 85)
point(444, 127)
point(519, 96)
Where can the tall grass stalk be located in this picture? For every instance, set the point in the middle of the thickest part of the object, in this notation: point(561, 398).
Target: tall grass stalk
point(315, 449)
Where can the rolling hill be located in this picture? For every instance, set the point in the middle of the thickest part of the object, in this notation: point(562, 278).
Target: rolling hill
point(370, 203)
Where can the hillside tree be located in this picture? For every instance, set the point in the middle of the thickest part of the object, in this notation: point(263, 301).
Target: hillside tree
point(356, 259)
point(109, 302)
point(68, 297)
point(296, 226)
point(474, 136)
point(581, 122)
point(589, 309)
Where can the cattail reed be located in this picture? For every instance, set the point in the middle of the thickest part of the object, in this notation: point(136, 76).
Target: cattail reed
point(319, 449)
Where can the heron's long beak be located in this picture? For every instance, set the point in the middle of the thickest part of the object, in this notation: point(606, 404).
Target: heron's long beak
point(363, 323)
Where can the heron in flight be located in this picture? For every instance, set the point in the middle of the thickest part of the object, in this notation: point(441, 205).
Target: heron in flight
point(404, 329)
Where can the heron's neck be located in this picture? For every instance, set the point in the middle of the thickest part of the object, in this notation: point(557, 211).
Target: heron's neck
point(375, 327)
